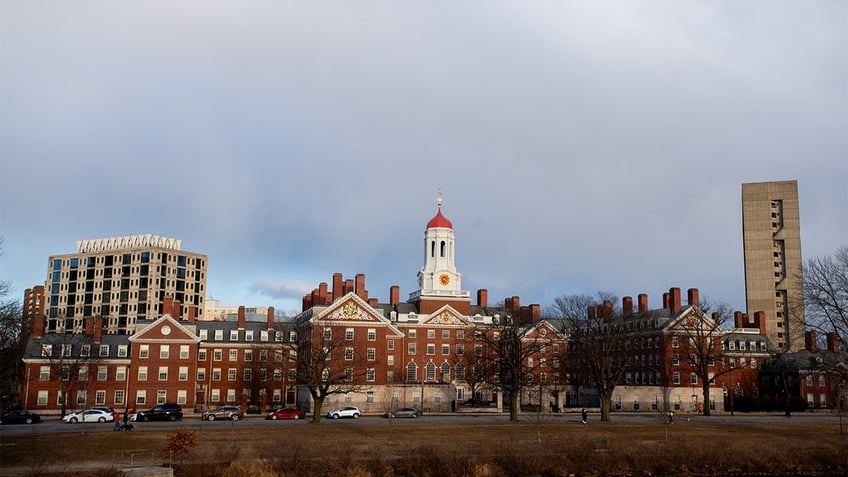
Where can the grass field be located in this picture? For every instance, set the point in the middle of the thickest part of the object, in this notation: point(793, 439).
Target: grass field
point(528, 448)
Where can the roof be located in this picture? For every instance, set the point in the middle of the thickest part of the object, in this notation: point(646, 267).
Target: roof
point(439, 221)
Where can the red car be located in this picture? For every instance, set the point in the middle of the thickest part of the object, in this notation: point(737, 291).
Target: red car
point(285, 413)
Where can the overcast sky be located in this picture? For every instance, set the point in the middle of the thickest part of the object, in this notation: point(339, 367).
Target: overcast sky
point(580, 145)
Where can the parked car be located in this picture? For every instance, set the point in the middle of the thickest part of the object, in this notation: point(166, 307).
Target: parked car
point(164, 412)
point(347, 411)
point(403, 412)
point(233, 413)
point(20, 416)
point(285, 413)
point(89, 415)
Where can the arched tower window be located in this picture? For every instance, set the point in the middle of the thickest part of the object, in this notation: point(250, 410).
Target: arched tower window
point(443, 248)
point(433, 248)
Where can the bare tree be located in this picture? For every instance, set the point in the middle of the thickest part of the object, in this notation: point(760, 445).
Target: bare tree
point(328, 364)
point(69, 357)
point(825, 294)
point(12, 339)
point(596, 340)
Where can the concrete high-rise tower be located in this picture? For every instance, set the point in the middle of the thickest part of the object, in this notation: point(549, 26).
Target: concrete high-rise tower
point(771, 235)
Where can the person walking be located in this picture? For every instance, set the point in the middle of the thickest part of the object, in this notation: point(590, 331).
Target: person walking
point(583, 415)
point(117, 426)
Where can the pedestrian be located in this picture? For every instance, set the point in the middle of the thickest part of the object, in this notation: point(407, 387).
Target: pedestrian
point(670, 416)
point(700, 408)
point(583, 415)
point(117, 426)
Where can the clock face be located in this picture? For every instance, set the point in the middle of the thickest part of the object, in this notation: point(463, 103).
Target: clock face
point(166, 330)
point(444, 279)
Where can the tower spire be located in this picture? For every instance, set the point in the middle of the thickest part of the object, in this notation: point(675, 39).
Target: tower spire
point(439, 199)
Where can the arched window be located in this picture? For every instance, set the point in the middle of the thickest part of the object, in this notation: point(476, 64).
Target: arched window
point(445, 372)
point(460, 372)
point(411, 372)
point(433, 248)
point(443, 248)
point(431, 372)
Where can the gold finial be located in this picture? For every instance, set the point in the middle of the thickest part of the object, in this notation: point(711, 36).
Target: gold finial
point(439, 200)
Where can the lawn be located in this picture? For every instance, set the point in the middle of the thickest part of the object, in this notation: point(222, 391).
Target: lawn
point(527, 448)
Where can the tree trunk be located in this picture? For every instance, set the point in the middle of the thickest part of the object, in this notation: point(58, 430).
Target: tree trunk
point(606, 402)
point(318, 404)
point(513, 406)
point(706, 404)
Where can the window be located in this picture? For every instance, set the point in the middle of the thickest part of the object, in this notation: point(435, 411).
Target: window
point(233, 355)
point(445, 334)
point(163, 373)
point(82, 396)
point(372, 334)
point(183, 351)
point(104, 350)
point(181, 396)
point(693, 378)
point(349, 334)
point(445, 372)
point(102, 373)
point(219, 335)
point(247, 374)
point(278, 395)
point(371, 375)
point(445, 349)
point(44, 373)
point(119, 396)
point(142, 373)
point(391, 345)
point(431, 334)
point(675, 342)
point(693, 360)
point(248, 355)
point(204, 335)
point(348, 372)
point(293, 336)
point(372, 354)
point(431, 372)
point(121, 373)
point(410, 349)
point(460, 349)
point(460, 334)
point(263, 355)
point(215, 396)
point(201, 355)
point(431, 349)
point(141, 397)
point(328, 334)
point(122, 351)
point(217, 355)
point(263, 335)
point(164, 351)
point(675, 377)
point(411, 372)
point(460, 372)
point(100, 397)
point(42, 398)
point(390, 360)
point(369, 397)
point(161, 396)
point(821, 379)
point(348, 354)
point(66, 350)
point(46, 350)
point(232, 374)
point(412, 333)
point(248, 335)
point(234, 335)
point(183, 373)
point(201, 374)
point(85, 350)
point(66, 373)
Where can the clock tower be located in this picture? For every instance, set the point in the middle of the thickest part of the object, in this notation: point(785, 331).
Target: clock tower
point(438, 279)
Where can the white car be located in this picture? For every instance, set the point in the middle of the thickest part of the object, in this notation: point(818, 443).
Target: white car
point(89, 415)
point(347, 411)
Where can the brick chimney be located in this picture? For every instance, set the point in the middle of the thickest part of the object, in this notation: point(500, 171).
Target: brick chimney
point(373, 302)
point(348, 286)
point(692, 296)
point(627, 306)
point(832, 341)
point(270, 317)
point(643, 304)
point(306, 302)
point(360, 286)
point(241, 318)
point(666, 300)
point(738, 320)
point(38, 326)
point(323, 293)
point(760, 321)
point(535, 313)
point(483, 298)
point(338, 286)
point(674, 300)
point(606, 310)
point(98, 330)
point(394, 295)
point(810, 341)
point(192, 314)
point(89, 326)
point(590, 312)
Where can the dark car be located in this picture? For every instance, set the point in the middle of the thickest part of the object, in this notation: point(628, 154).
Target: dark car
point(20, 417)
point(285, 413)
point(403, 412)
point(164, 412)
point(233, 413)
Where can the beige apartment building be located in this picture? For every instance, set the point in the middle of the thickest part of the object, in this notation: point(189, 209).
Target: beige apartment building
point(122, 280)
point(771, 233)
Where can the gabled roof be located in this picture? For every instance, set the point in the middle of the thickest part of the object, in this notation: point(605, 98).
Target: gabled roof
point(165, 328)
point(353, 310)
point(445, 316)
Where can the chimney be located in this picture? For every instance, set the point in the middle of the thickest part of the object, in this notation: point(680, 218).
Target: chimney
point(241, 317)
point(515, 305)
point(606, 310)
point(38, 326)
point(643, 304)
point(627, 306)
point(348, 286)
point(306, 303)
point(737, 320)
point(674, 300)
point(323, 293)
point(89, 326)
point(483, 298)
point(760, 321)
point(832, 340)
point(394, 295)
point(270, 317)
point(373, 302)
point(192, 314)
point(666, 300)
point(692, 295)
point(535, 313)
point(98, 330)
point(338, 283)
point(810, 341)
point(360, 286)
point(590, 313)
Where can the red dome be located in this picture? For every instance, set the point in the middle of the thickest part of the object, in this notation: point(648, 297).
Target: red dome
point(439, 221)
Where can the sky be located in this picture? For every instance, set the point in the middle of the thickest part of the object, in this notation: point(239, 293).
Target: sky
point(580, 146)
